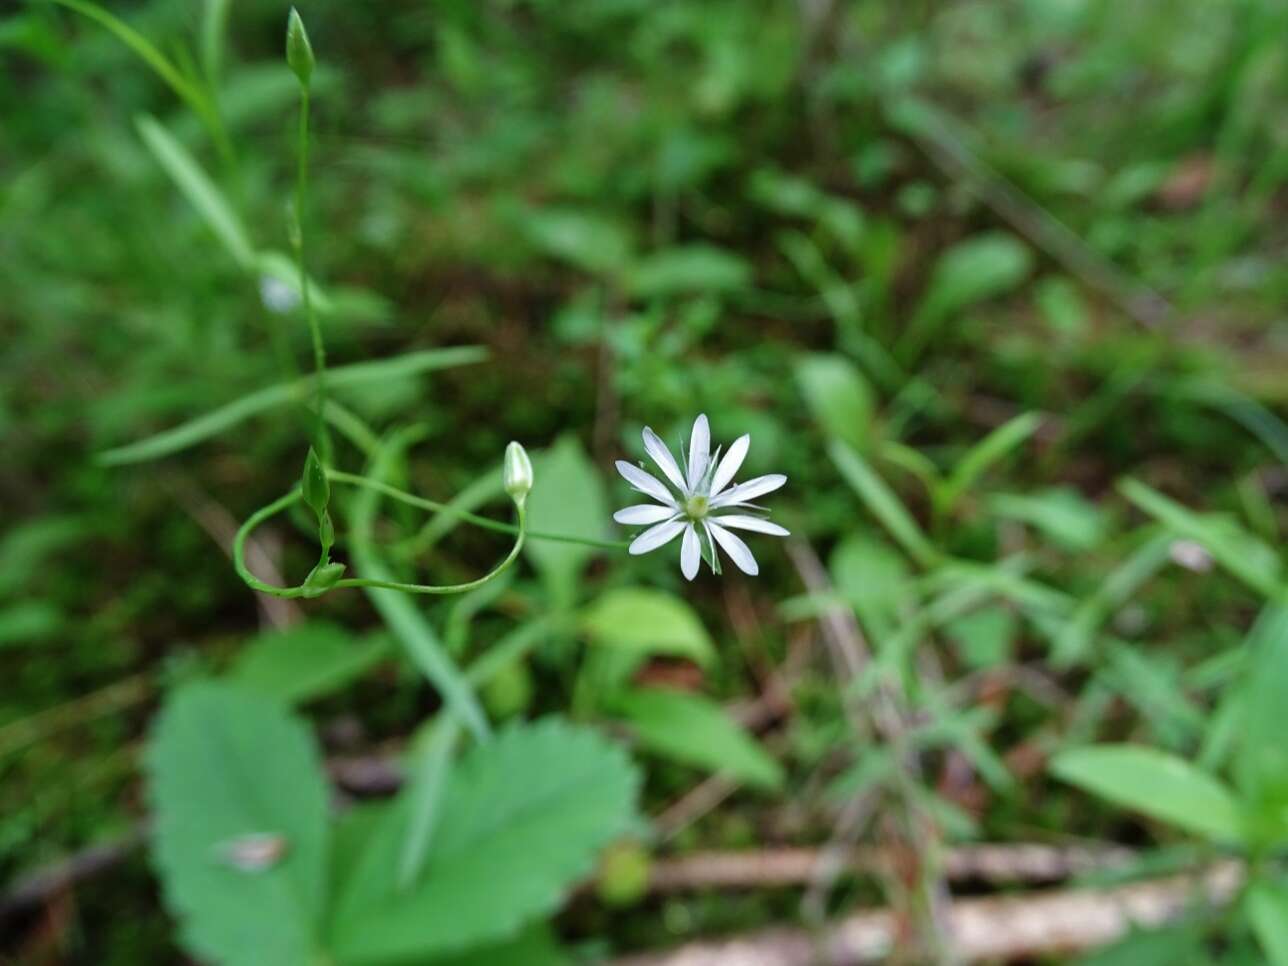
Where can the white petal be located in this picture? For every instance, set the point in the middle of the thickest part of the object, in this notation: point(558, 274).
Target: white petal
point(663, 458)
point(690, 553)
point(646, 483)
point(738, 551)
point(642, 513)
point(731, 463)
point(750, 490)
point(752, 523)
point(658, 536)
point(699, 449)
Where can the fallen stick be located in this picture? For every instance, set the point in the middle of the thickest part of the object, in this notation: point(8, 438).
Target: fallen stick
point(1039, 923)
point(996, 864)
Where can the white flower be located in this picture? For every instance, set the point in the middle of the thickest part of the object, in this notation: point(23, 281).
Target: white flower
point(277, 295)
point(705, 500)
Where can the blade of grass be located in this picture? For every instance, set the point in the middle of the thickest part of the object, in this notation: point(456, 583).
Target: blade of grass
point(989, 450)
point(231, 414)
point(882, 502)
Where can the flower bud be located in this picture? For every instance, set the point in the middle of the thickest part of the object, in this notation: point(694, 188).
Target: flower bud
point(518, 473)
point(316, 487)
point(299, 52)
point(322, 578)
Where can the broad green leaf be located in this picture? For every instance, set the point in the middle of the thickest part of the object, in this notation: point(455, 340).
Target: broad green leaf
point(400, 612)
point(838, 396)
point(648, 622)
point(1061, 513)
point(200, 191)
point(228, 769)
point(305, 661)
point(692, 729)
point(971, 271)
point(522, 818)
point(1233, 548)
point(992, 448)
point(1267, 908)
point(702, 269)
point(567, 498)
point(1261, 767)
point(238, 411)
point(1160, 785)
point(882, 502)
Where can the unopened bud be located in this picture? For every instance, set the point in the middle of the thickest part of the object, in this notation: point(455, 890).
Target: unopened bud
point(316, 487)
point(518, 473)
point(299, 52)
point(322, 578)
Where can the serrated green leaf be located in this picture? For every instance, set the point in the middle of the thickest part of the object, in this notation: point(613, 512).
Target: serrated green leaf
point(306, 661)
point(197, 187)
point(838, 396)
point(1160, 785)
point(646, 622)
point(226, 766)
point(521, 819)
point(567, 498)
point(695, 730)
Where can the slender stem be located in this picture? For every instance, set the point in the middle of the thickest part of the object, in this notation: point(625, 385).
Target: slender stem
point(315, 331)
point(486, 523)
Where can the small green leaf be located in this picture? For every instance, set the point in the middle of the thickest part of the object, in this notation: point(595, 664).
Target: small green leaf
point(885, 506)
point(306, 661)
point(646, 622)
point(700, 268)
point(1267, 908)
point(521, 819)
point(590, 241)
point(568, 498)
point(1261, 769)
point(240, 836)
point(989, 450)
point(838, 397)
point(316, 487)
point(299, 52)
point(693, 729)
point(1160, 785)
point(1060, 513)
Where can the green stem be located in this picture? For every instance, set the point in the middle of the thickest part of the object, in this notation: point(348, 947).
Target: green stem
point(486, 523)
point(315, 330)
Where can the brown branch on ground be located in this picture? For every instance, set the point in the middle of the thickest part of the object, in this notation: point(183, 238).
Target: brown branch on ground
point(1036, 924)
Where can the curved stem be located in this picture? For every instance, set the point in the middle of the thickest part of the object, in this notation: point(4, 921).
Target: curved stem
point(486, 523)
point(302, 590)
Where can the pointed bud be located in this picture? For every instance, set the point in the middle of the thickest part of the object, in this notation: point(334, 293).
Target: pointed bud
point(518, 473)
point(322, 578)
point(326, 531)
point(317, 489)
point(299, 52)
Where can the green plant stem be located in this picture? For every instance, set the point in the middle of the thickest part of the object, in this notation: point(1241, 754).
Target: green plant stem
point(486, 523)
point(315, 330)
point(300, 590)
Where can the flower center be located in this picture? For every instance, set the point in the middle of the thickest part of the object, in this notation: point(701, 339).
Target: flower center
point(696, 507)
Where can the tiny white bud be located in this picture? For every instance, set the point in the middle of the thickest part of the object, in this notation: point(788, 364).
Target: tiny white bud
point(518, 473)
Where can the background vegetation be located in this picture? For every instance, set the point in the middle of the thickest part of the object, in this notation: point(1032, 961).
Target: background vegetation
point(997, 285)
